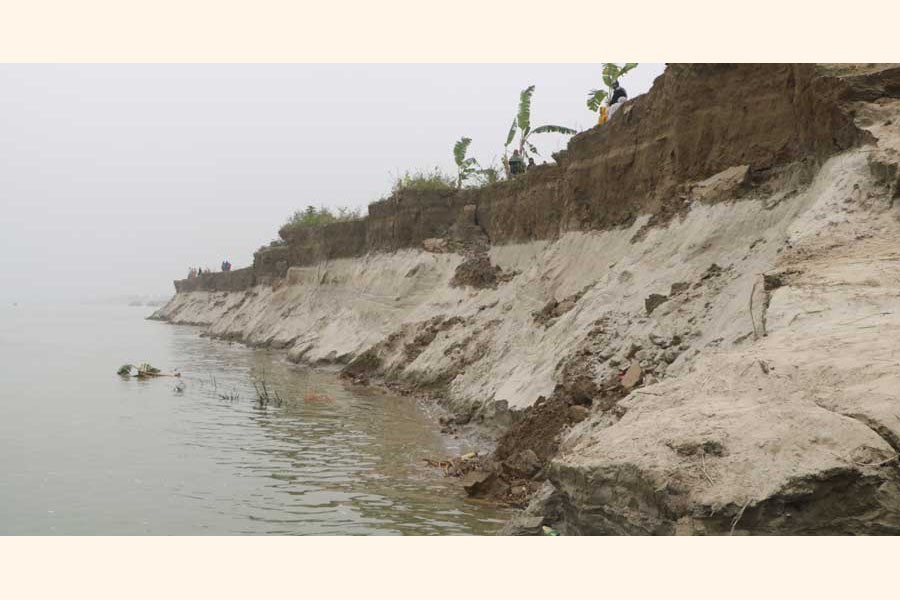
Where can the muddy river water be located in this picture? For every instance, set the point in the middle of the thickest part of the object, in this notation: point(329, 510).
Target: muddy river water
point(83, 451)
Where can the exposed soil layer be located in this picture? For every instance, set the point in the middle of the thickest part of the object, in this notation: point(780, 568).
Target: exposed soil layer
point(697, 122)
point(538, 431)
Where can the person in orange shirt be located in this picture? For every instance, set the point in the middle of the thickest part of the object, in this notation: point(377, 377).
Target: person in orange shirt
point(602, 116)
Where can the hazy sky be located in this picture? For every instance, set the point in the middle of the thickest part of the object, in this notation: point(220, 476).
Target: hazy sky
point(114, 179)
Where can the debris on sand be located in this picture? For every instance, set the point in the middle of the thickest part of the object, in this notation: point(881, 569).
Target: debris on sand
point(653, 301)
point(632, 376)
point(435, 245)
point(458, 466)
point(554, 309)
point(483, 477)
point(515, 471)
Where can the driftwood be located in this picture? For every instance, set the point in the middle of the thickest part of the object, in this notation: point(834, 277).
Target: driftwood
point(458, 465)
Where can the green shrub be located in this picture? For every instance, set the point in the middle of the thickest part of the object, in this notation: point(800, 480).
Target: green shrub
point(424, 180)
point(315, 217)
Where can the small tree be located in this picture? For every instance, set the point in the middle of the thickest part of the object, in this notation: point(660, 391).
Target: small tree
point(611, 73)
point(522, 125)
point(466, 166)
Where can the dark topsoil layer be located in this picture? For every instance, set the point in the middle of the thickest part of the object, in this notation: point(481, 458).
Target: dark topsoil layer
point(696, 121)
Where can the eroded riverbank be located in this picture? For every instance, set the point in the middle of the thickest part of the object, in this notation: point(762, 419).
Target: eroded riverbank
point(664, 330)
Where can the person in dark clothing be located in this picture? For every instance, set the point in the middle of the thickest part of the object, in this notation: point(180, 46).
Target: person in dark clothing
point(530, 164)
point(618, 92)
point(516, 164)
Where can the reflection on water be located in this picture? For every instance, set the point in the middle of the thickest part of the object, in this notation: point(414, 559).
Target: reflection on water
point(86, 452)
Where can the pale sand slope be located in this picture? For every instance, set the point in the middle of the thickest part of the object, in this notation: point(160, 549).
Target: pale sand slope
point(804, 428)
point(794, 432)
point(338, 309)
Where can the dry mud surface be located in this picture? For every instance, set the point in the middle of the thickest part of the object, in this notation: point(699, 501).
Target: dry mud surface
point(731, 370)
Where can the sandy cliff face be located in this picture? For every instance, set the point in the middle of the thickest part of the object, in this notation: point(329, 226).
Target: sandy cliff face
point(793, 432)
point(683, 328)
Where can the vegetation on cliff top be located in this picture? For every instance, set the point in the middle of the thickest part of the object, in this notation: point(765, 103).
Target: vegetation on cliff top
point(469, 171)
point(466, 165)
point(315, 217)
point(423, 180)
point(522, 125)
point(468, 168)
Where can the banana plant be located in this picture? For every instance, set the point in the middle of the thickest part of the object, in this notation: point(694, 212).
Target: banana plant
point(522, 125)
point(611, 73)
point(466, 166)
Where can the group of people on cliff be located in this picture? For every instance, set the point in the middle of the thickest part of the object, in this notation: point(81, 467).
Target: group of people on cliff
point(198, 271)
point(517, 164)
point(619, 96)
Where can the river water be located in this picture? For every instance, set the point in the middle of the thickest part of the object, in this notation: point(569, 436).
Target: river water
point(83, 451)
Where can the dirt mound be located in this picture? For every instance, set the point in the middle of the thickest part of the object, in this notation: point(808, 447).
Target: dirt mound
point(479, 273)
point(538, 431)
point(518, 464)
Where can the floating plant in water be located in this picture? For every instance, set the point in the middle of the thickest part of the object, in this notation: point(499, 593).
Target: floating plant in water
point(143, 370)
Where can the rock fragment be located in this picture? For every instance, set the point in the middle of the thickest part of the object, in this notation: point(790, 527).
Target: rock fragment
point(632, 376)
point(653, 301)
